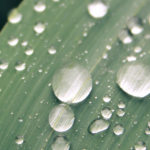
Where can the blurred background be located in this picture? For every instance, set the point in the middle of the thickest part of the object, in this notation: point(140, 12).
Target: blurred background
point(5, 7)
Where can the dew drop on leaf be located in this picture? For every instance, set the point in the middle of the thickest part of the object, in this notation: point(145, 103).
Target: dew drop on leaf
point(106, 113)
point(60, 143)
point(140, 146)
point(29, 52)
point(137, 49)
point(106, 99)
point(124, 37)
point(121, 105)
point(134, 79)
point(13, 41)
point(52, 51)
point(120, 113)
point(19, 140)
point(134, 25)
point(97, 9)
point(20, 66)
point(39, 28)
point(39, 7)
point(118, 130)
point(14, 16)
point(147, 131)
point(98, 126)
point(3, 65)
point(24, 43)
point(61, 118)
point(72, 83)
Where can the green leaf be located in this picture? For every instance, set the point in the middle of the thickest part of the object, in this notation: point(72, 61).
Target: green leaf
point(27, 95)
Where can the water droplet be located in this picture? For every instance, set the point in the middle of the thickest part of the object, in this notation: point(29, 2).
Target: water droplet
point(39, 28)
point(106, 113)
point(137, 49)
point(106, 99)
point(39, 7)
point(96, 82)
point(20, 66)
point(52, 51)
point(135, 26)
point(124, 37)
point(24, 43)
point(98, 126)
point(133, 79)
point(19, 140)
point(147, 131)
point(140, 146)
point(72, 83)
point(29, 52)
point(108, 47)
point(61, 118)
point(3, 65)
point(13, 41)
point(97, 9)
point(14, 16)
point(118, 130)
point(120, 113)
point(60, 143)
point(148, 124)
point(121, 105)
point(131, 58)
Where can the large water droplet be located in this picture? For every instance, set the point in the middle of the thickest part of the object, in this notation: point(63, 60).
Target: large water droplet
point(61, 118)
point(135, 26)
point(140, 146)
point(106, 113)
point(19, 140)
point(124, 37)
point(72, 83)
point(39, 7)
point(39, 28)
point(97, 9)
point(13, 41)
point(20, 66)
point(99, 125)
point(14, 16)
point(134, 79)
point(60, 143)
point(118, 130)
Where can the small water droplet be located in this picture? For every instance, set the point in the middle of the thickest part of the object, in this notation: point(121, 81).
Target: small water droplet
point(39, 28)
point(124, 37)
point(140, 146)
point(29, 52)
point(96, 82)
point(52, 51)
point(121, 105)
point(39, 7)
point(137, 49)
point(13, 41)
point(14, 16)
point(118, 130)
point(106, 113)
point(19, 140)
point(24, 43)
point(106, 99)
point(108, 47)
point(20, 66)
point(60, 143)
point(135, 26)
point(147, 131)
point(134, 80)
point(3, 65)
point(61, 118)
point(72, 83)
point(120, 113)
point(148, 124)
point(131, 58)
point(97, 9)
point(98, 126)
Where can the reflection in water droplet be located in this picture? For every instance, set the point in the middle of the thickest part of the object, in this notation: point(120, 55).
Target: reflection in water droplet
point(3, 65)
point(52, 51)
point(97, 9)
point(140, 146)
point(29, 52)
point(99, 125)
point(118, 130)
point(134, 79)
point(39, 7)
point(134, 26)
point(14, 16)
point(13, 41)
point(106, 113)
point(39, 28)
point(60, 143)
point(72, 83)
point(20, 66)
point(19, 140)
point(61, 118)
point(124, 37)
